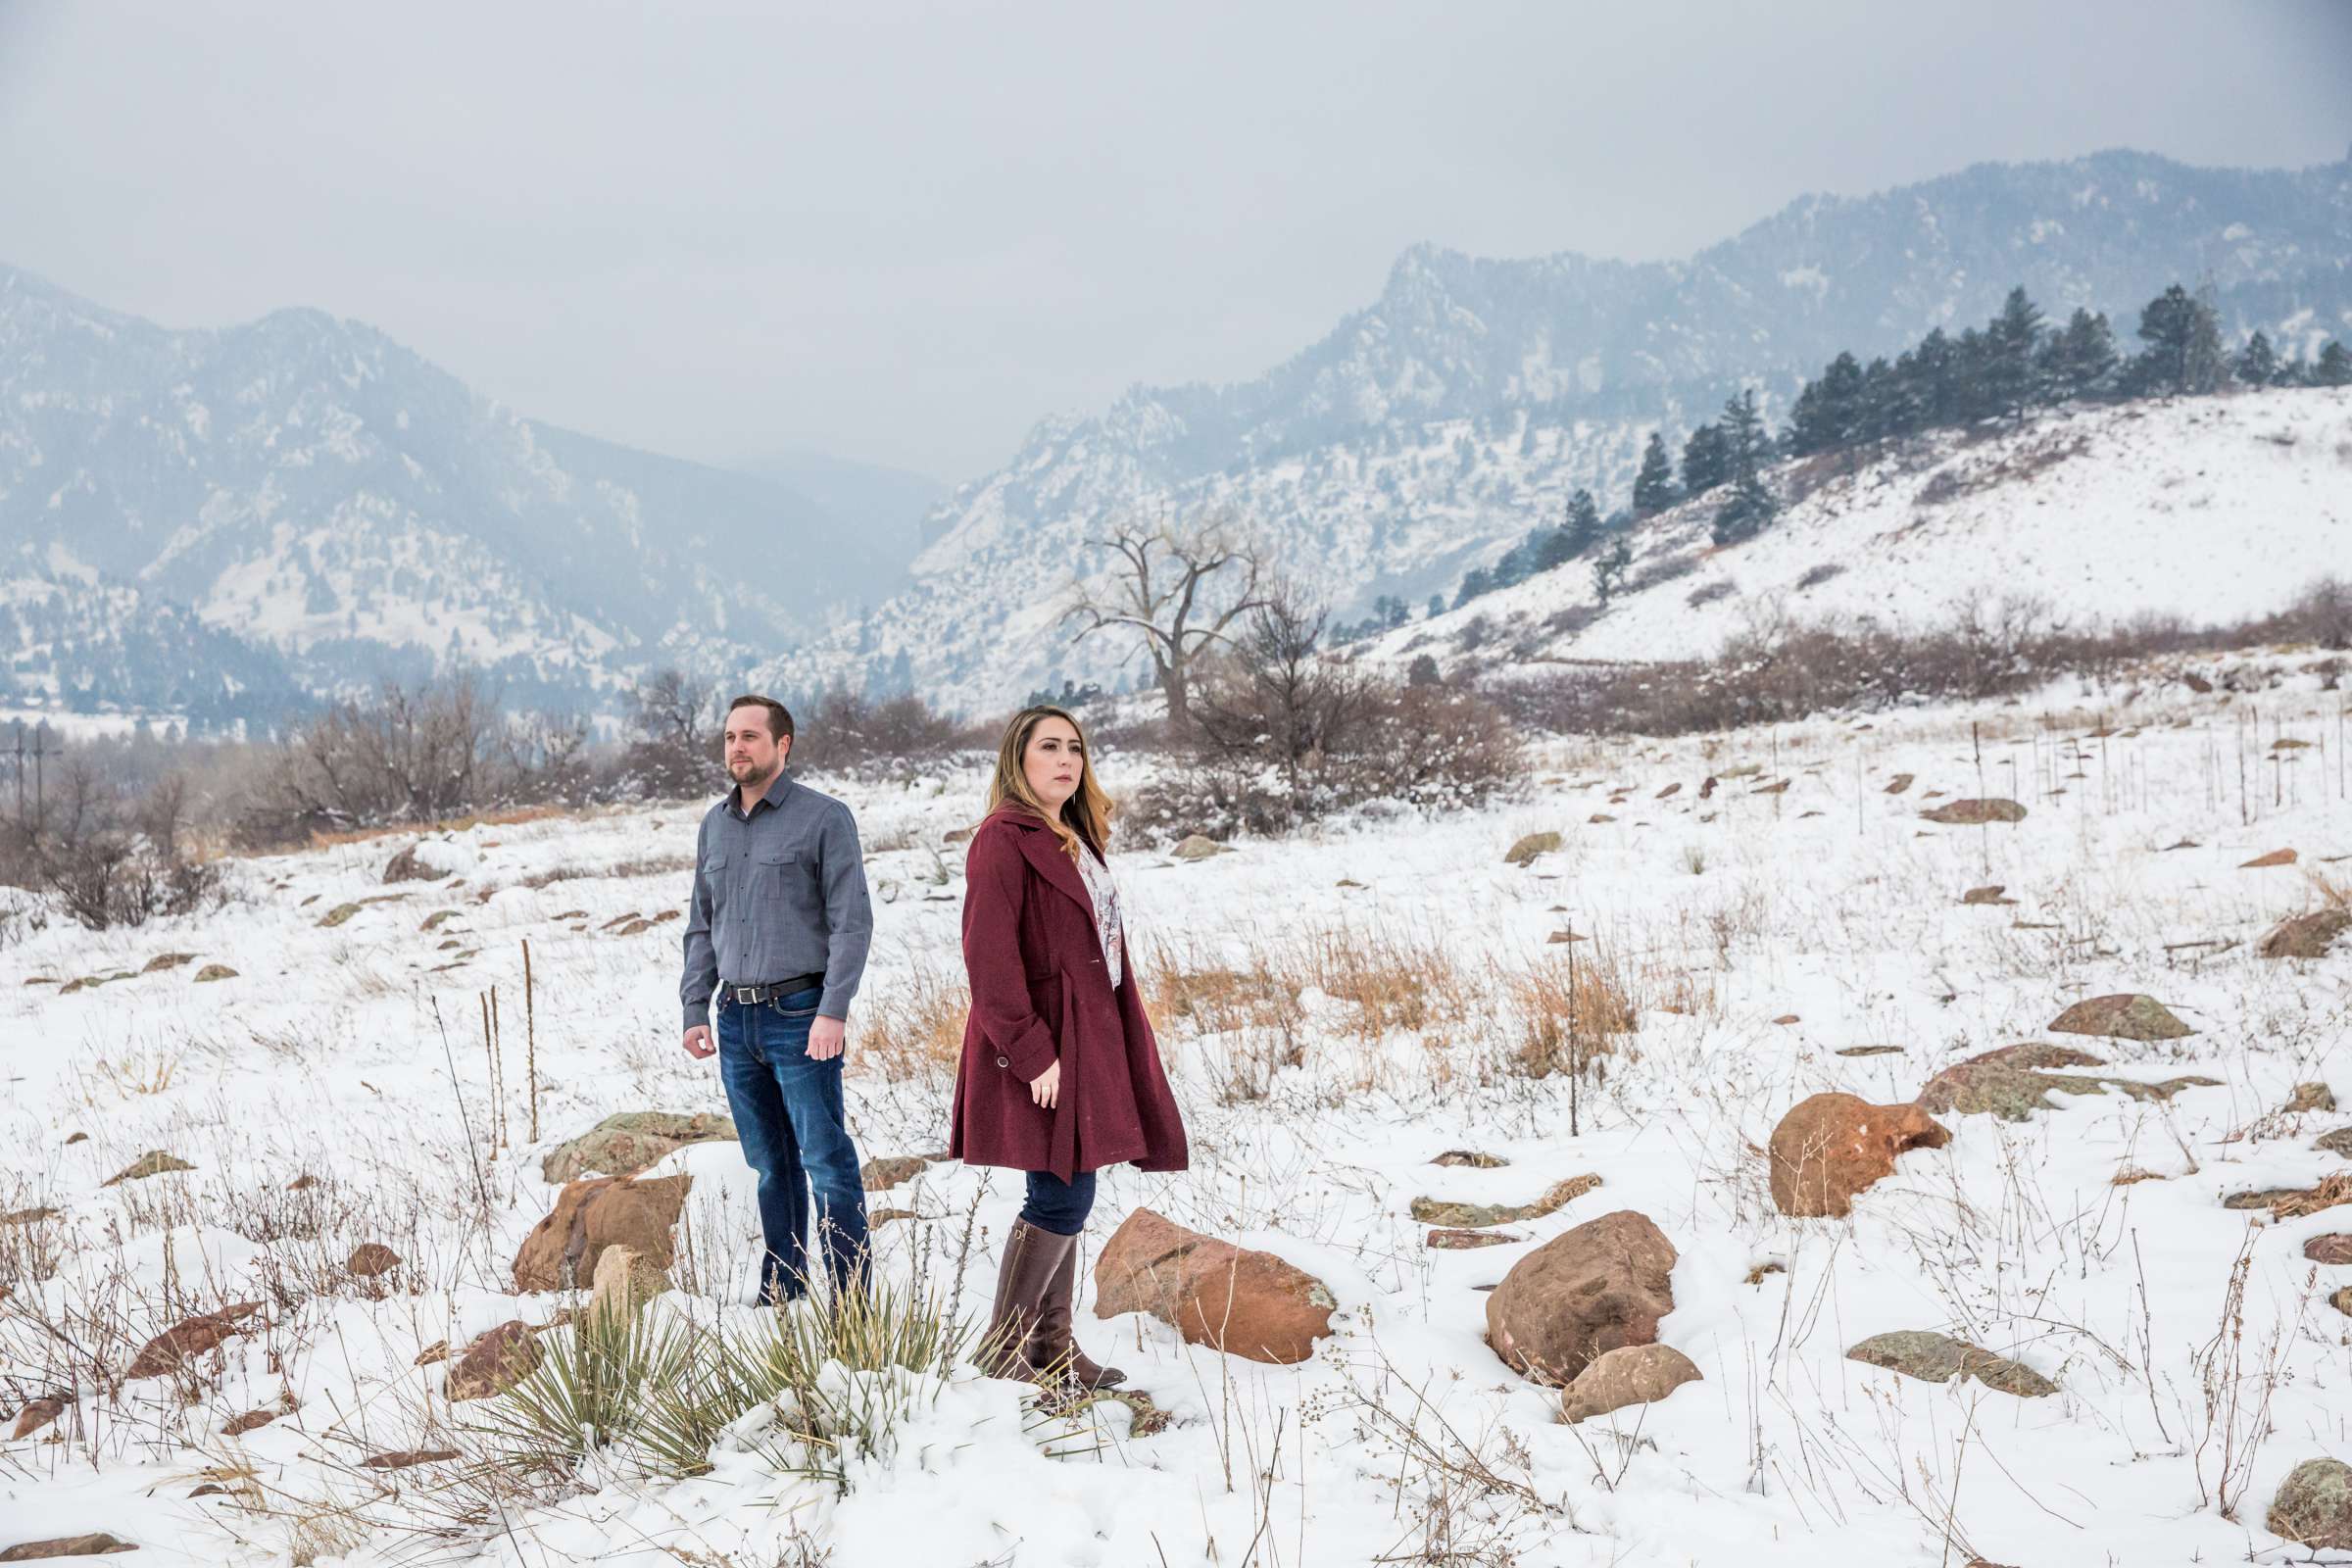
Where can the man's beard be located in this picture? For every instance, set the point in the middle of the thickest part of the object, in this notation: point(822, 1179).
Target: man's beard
point(748, 773)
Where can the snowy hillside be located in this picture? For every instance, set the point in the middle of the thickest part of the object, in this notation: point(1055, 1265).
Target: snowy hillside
point(2214, 510)
point(1433, 428)
point(2108, 1330)
point(310, 489)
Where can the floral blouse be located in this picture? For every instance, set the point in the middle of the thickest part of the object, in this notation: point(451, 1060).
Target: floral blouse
point(1105, 893)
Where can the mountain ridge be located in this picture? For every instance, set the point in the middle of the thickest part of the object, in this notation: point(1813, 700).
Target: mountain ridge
point(1428, 430)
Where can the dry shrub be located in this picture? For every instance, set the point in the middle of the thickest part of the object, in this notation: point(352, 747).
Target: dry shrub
point(1778, 671)
point(1572, 1008)
point(1212, 998)
point(1392, 981)
point(1660, 571)
point(2332, 1190)
point(1428, 746)
point(916, 1030)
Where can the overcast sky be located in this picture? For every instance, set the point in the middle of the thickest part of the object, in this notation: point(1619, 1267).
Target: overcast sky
point(904, 233)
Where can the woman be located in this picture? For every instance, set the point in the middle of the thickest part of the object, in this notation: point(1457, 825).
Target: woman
point(1060, 1075)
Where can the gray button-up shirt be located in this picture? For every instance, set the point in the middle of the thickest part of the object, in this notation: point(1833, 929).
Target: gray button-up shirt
point(778, 890)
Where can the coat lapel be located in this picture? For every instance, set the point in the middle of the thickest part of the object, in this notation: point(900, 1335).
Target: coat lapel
point(1044, 851)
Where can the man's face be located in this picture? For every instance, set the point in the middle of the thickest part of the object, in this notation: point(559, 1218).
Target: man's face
point(753, 754)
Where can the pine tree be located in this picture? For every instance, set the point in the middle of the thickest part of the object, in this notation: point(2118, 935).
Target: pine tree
point(1751, 505)
point(1827, 415)
point(2258, 364)
point(1703, 467)
point(1653, 486)
point(1579, 528)
point(1551, 548)
point(1745, 511)
point(2009, 342)
point(2168, 324)
point(1877, 400)
point(2333, 366)
point(1971, 389)
point(1745, 441)
point(1937, 366)
point(2208, 362)
point(1608, 573)
point(2086, 357)
point(1437, 603)
point(1475, 582)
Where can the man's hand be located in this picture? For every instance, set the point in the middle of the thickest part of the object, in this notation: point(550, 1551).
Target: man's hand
point(825, 1038)
point(1046, 1087)
point(698, 1042)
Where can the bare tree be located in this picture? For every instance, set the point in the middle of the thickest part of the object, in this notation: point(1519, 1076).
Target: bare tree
point(409, 755)
point(674, 709)
point(1162, 590)
point(1277, 693)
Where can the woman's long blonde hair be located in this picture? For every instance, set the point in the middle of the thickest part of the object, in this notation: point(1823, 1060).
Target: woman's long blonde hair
point(1085, 817)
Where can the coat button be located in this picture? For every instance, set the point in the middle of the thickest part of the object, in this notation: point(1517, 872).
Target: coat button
point(1002, 1062)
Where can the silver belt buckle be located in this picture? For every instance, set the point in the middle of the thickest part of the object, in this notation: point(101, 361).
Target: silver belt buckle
point(744, 994)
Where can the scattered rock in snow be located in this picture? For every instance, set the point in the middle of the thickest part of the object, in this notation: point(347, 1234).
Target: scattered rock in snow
point(1631, 1374)
point(192, 1335)
point(2310, 1097)
point(1974, 812)
point(628, 1140)
point(561, 1250)
point(153, 1162)
point(2305, 936)
point(2125, 1015)
point(2264, 863)
point(1588, 1290)
point(885, 1171)
point(1478, 1216)
point(100, 1545)
point(1472, 1159)
point(1462, 1240)
point(1990, 894)
point(1197, 847)
point(503, 1355)
point(1530, 845)
point(2312, 1506)
point(371, 1261)
point(214, 971)
point(36, 1414)
point(1939, 1358)
point(2016, 1081)
point(408, 866)
point(1243, 1303)
point(1829, 1147)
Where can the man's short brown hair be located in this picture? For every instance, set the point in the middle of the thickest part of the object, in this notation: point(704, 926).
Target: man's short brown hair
point(779, 718)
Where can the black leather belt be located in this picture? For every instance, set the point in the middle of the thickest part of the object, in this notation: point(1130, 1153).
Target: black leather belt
point(760, 996)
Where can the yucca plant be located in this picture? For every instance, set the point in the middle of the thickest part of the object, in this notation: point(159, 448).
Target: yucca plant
point(587, 1394)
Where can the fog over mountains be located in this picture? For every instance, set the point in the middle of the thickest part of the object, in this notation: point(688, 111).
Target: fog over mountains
point(213, 522)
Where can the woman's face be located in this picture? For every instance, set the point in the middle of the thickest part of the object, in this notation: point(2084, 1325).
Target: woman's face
point(1054, 762)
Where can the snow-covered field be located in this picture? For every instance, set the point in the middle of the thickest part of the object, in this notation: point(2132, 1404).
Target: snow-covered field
point(2215, 509)
point(1761, 934)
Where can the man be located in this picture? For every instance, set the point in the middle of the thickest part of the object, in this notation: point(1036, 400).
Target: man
point(778, 929)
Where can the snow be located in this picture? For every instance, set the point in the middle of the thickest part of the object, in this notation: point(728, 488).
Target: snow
point(1831, 902)
point(2210, 509)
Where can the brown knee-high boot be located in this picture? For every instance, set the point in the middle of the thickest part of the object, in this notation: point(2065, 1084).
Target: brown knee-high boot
point(1023, 1279)
point(1052, 1348)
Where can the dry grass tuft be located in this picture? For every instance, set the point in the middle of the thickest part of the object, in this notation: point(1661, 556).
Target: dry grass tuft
point(916, 1031)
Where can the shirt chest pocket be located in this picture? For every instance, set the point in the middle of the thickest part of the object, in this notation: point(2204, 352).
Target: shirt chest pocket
point(776, 875)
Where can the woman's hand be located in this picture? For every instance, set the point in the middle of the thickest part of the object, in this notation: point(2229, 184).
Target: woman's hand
point(1046, 1087)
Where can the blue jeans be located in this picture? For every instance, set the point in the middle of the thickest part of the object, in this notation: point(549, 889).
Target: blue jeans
point(788, 1115)
point(1057, 1205)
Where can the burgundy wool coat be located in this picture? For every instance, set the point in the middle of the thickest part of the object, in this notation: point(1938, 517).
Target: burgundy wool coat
point(1041, 992)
